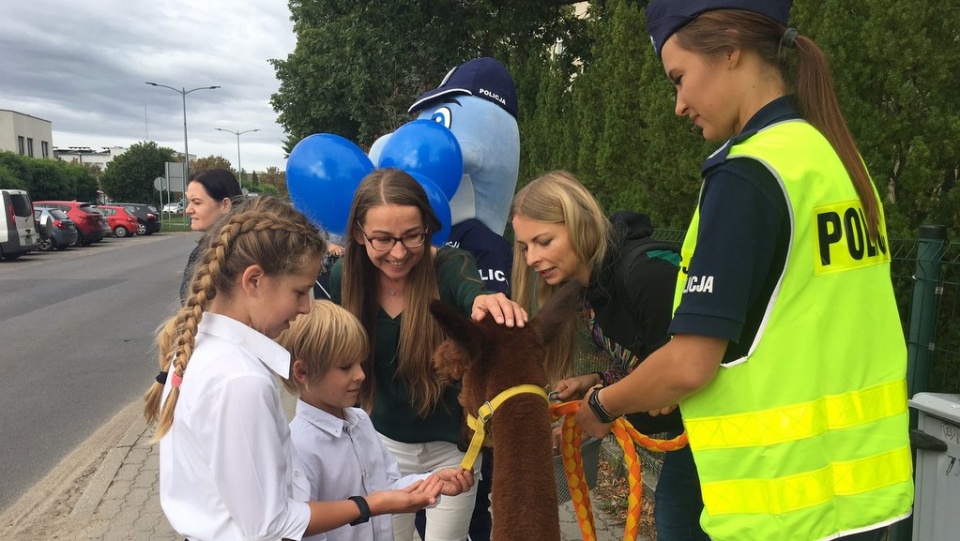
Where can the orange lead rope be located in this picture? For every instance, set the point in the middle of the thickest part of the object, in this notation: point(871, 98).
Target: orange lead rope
point(573, 467)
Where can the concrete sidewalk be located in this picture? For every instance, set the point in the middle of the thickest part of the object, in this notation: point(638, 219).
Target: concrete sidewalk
point(120, 501)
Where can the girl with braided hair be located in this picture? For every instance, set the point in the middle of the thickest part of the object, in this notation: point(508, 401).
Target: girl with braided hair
point(225, 451)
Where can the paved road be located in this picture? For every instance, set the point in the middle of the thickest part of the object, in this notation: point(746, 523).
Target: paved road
point(76, 344)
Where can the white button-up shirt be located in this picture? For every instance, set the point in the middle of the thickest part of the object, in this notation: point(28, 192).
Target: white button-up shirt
point(338, 458)
point(226, 465)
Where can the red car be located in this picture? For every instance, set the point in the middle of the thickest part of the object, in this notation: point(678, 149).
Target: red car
point(123, 222)
point(91, 225)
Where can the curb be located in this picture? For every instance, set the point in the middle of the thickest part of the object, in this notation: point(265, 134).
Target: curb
point(106, 472)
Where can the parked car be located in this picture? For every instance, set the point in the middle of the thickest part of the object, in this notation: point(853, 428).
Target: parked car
point(122, 221)
point(148, 219)
point(57, 230)
point(91, 225)
point(18, 230)
point(105, 223)
point(174, 207)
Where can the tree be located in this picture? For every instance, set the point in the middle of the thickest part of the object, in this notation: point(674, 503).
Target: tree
point(359, 65)
point(895, 75)
point(263, 189)
point(275, 177)
point(13, 171)
point(130, 175)
point(52, 179)
point(594, 98)
point(212, 162)
point(47, 178)
point(75, 181)
point(94, 169)
point(898, 93)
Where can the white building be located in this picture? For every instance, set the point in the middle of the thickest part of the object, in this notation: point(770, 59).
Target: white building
point(89, 156)
point(25, 135)
point(101, 158)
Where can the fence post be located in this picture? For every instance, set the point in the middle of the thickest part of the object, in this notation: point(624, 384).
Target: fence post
point(920, 335)
point(923, 310)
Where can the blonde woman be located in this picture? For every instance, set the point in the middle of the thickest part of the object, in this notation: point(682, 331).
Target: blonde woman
point(561, 235)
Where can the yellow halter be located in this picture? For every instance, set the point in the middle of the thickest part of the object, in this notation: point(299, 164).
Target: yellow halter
point(479, 423)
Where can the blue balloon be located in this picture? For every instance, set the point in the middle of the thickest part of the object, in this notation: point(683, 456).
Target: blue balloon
point(441, 207)
point(428, 148)
point(323, 172)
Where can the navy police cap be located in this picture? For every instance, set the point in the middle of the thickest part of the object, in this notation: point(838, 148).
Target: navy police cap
point(665, 17)
point(483, 77)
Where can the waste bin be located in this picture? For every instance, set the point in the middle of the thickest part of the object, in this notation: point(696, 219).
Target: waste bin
point(935, 516)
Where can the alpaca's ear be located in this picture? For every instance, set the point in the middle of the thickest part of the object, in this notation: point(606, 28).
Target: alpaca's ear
point(550, 318)
point(450, 361)
point(456, 326)
point(462, 346)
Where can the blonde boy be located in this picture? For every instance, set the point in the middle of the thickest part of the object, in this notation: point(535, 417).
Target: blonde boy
point(338, 452)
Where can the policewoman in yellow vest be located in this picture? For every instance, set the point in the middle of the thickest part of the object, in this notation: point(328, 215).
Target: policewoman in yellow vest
point(787, 357)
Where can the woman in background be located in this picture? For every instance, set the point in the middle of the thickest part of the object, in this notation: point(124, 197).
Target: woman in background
point(210, 195)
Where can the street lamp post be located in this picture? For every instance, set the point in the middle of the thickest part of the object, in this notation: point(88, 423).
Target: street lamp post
point(186, 152)
point(238, 134)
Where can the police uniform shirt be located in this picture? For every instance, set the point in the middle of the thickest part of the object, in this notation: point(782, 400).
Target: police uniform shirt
point(493, 252)
point(742, 243)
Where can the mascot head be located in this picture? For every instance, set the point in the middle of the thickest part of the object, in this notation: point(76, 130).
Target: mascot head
point(477, 101)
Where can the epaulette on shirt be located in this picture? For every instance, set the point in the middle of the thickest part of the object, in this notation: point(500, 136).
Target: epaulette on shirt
point(720, 155)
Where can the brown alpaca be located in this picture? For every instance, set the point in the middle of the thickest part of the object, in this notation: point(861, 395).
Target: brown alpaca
point(488, 358)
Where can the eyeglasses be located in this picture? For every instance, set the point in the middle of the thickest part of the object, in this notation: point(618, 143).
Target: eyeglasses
point(383, 244)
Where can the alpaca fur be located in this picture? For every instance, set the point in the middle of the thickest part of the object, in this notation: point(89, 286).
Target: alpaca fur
point(488, 358)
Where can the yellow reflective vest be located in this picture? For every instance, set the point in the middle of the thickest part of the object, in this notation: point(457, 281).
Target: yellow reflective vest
point(806, 437)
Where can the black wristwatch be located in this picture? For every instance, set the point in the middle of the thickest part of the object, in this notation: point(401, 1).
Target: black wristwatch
point(598, 410)
point(364, 509)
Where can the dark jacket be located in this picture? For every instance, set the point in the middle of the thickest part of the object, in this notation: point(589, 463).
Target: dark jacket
point(632, 302)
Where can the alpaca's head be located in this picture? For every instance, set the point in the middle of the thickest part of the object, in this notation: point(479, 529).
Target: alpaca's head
point(487, 358)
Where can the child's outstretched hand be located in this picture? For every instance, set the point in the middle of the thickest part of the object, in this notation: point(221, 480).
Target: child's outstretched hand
point(406, 500)
point(455, 480)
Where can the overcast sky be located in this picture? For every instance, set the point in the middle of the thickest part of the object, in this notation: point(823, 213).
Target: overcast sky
point(82, 66)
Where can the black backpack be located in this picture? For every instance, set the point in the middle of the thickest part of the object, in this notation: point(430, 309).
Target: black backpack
point(642, 248)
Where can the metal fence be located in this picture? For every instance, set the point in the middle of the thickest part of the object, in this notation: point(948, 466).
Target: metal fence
point(926, 275)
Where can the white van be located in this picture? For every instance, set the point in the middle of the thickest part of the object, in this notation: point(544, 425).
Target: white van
point(18, 230)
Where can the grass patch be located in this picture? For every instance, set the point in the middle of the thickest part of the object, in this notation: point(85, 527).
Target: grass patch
point(175, 225)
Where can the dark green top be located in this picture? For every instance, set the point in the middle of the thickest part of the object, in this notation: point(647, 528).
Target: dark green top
point(459, 283)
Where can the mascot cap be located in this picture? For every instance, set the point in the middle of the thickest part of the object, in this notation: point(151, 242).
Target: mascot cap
point(665, 17)
point(481, 77)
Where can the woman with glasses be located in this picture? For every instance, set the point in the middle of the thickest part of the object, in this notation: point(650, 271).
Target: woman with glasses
point(387, 277)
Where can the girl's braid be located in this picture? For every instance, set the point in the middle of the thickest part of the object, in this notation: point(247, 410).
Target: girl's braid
point(277, 227)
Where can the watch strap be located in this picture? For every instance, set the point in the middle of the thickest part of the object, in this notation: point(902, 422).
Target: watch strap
point(601, 413)
point(364, 510)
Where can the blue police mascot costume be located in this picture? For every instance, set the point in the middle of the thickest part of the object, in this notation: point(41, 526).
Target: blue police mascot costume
point(477, 101)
